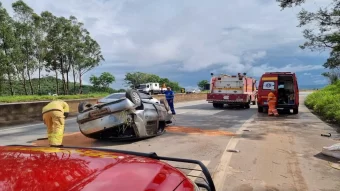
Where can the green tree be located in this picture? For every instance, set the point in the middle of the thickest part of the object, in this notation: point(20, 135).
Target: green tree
point(201, 84)
point(326, 36)
point(134, 79)
point(89, 58)
point(333, 75)
point(31, 42)
point(8, 49)
point(25, 37)
point(103, 81)
point(326, 19)
point(290, 3)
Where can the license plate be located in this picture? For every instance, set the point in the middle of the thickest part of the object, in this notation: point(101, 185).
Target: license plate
point(226, 97)
point(265, 102)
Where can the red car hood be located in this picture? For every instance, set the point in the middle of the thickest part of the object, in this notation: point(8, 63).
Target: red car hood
point(38, 168)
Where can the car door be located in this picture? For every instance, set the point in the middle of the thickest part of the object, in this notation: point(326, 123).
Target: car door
point(151, 116)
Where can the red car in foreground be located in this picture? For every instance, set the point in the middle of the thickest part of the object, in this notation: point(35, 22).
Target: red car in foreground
point(72, 168)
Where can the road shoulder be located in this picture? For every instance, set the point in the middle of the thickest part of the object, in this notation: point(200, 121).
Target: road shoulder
point(283, 153)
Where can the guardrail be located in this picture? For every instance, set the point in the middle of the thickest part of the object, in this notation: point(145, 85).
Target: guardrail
point(28, 112)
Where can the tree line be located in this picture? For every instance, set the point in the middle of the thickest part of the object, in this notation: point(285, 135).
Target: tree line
point(134, 79)
point(326, 21)
point(31, 43)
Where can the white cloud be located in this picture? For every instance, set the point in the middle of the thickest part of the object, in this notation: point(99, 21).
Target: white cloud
point(196, 34)
point(258, 71)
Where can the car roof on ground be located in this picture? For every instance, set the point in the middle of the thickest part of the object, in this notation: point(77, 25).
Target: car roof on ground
point(119, 95)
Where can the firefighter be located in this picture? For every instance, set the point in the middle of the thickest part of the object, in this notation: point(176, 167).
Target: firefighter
point(54, 114)
point(169, 96)
point(272, 104)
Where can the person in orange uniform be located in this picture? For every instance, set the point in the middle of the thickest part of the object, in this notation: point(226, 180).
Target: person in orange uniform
point(54, 114)
point(272, 104)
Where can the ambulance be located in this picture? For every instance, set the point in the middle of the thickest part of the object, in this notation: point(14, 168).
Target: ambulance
point(285, 87)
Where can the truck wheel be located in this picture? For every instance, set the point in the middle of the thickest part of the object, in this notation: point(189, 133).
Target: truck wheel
point(260, 109)
point(134, 96)
point(296, 111)
point(217, 105)
point(83, 106)
point(247, 106)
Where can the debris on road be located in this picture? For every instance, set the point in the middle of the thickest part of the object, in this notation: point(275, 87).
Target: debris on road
point(233, 150)
point(334, 165)
point(333, 151)
point(325, 135)
point(246, 130)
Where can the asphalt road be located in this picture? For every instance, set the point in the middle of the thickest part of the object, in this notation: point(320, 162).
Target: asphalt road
point(276, 153)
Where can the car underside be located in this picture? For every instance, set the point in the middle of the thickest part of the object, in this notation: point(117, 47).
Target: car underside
point(126, 118)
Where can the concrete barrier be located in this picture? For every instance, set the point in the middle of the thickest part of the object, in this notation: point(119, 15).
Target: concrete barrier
point(29, 112)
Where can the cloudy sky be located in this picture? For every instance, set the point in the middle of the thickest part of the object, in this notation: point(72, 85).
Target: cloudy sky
point(186, 40)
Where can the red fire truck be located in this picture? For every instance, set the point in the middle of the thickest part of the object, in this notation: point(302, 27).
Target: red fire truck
point(237, 90)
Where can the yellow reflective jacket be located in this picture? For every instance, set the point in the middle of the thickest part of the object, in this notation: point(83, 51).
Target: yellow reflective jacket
point(56, 105)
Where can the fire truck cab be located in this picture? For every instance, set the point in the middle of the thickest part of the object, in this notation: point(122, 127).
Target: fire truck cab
point(285, 87)
point(234, 90)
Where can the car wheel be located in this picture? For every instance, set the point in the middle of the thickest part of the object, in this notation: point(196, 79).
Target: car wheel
point(83, 106)
point(134, 97)
point(296, 111)
point(260, 109)
point(165, 103)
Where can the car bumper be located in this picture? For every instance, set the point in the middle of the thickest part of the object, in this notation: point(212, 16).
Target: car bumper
point(227, 101)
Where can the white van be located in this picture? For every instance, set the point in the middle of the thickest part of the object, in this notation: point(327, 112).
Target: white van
point(149, 88)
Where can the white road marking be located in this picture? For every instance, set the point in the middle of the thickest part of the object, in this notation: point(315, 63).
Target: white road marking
point(25, 126)
point(220, 171)
point(197, 173)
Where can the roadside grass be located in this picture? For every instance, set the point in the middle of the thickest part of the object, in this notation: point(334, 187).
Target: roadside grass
point(32, 98)
point(326, 102)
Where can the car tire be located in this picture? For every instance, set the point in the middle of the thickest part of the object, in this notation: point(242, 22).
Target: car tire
point(218, 105)
point(83, 106)
point(134, 97)
point(296, 111)
point(165, 103)
point(260, 109)
point(247, 106)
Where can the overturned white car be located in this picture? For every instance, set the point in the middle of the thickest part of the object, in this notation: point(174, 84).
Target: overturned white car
point(130, 115)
